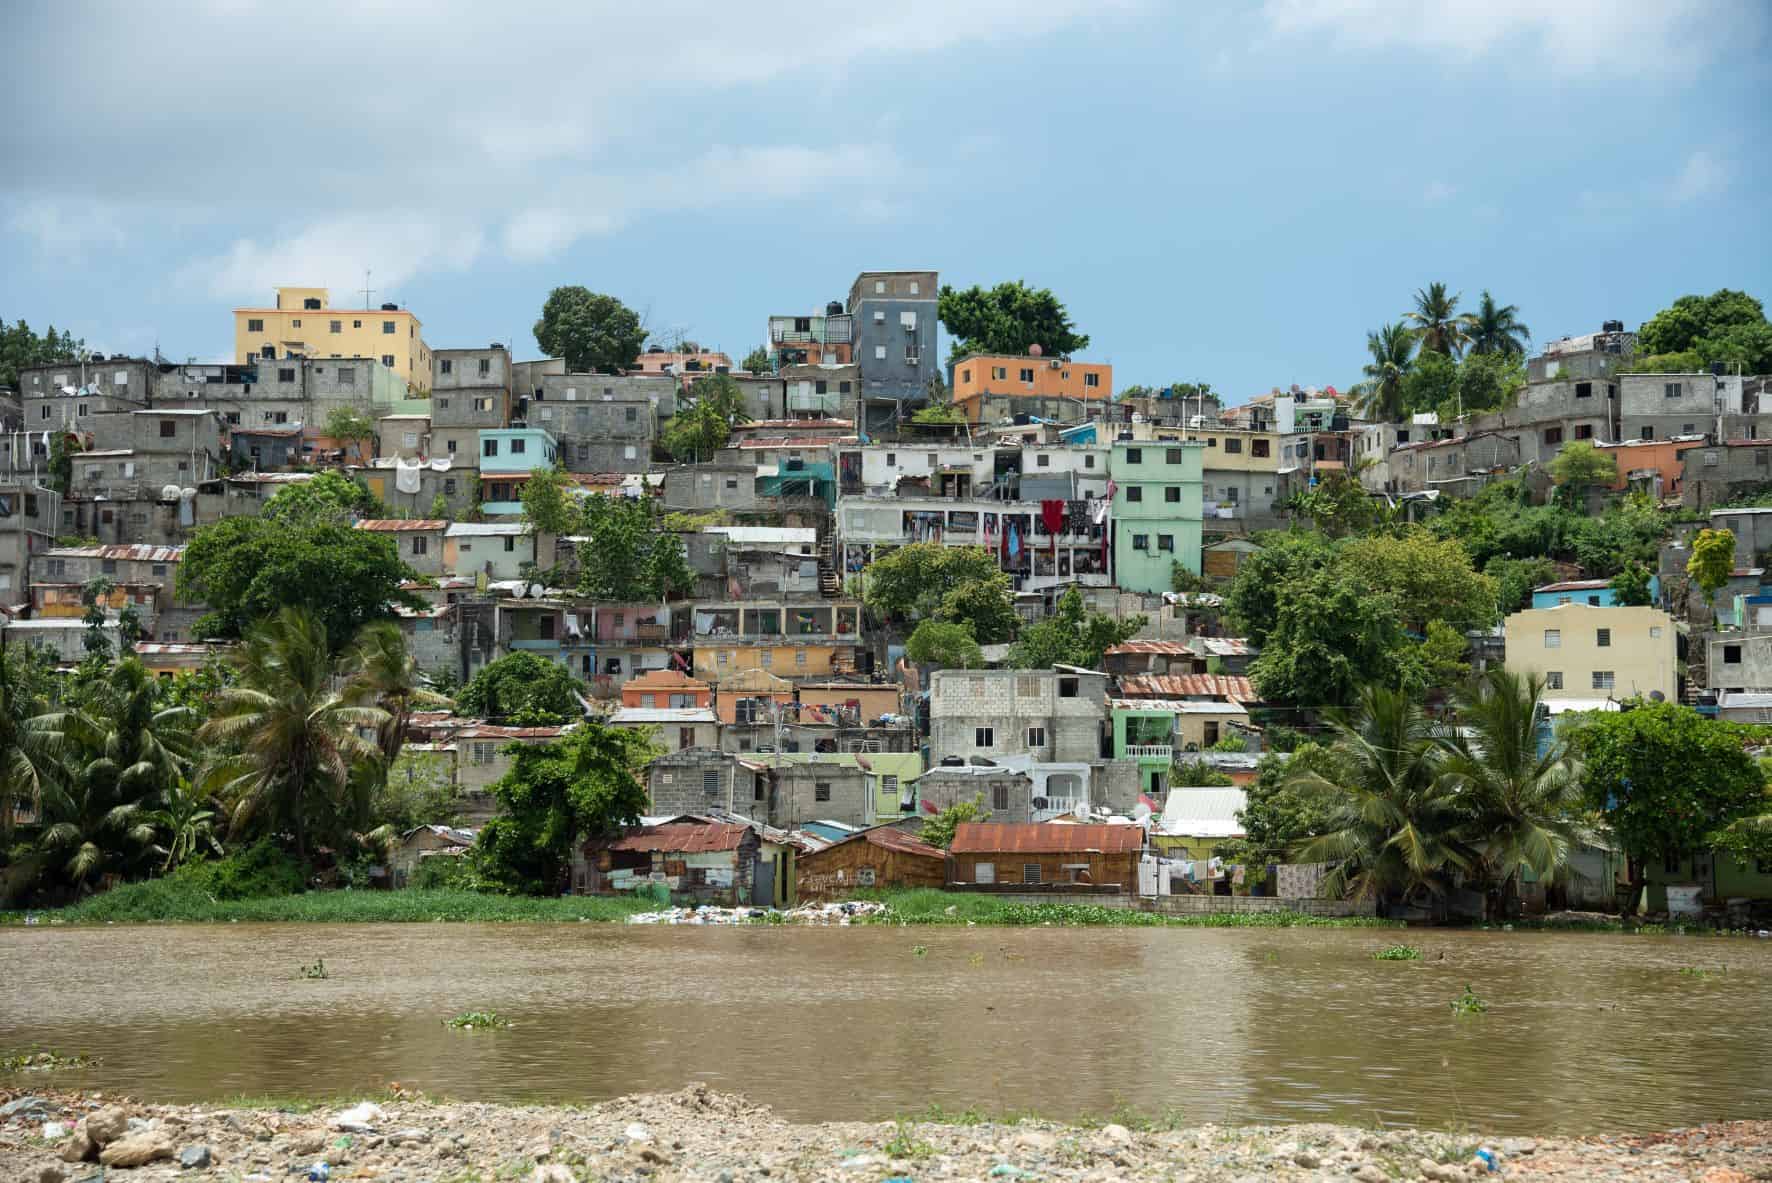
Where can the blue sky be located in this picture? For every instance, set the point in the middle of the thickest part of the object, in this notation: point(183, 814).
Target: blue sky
point(1232, 194)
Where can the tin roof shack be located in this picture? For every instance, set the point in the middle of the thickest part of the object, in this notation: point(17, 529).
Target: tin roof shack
point(704, 861)
point(421, 843)
point(884, 856)
point(1007, 793)
point(1195, 820)
point(1067, 857)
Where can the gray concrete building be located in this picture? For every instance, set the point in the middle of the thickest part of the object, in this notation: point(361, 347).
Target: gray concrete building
point(1592, 355)
point(821, 388)
point(1718, 472)
point(30, 515)
point(602, 422)
point(470, 389)
point(894, 319)
point(1056, 716)
point(65, 395)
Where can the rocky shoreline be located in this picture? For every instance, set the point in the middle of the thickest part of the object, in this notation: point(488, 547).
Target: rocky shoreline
point(698, 1134)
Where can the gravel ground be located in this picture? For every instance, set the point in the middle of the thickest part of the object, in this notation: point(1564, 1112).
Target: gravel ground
point(698, 1134)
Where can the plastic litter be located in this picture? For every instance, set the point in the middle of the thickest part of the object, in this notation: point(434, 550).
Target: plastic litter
point(319, 1173)
point(637, 1133)
point(831, 913)
point(1488, 1158)
point(359, 1119)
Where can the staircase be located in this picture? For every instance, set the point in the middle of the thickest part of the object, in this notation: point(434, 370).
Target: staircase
point(830, 582)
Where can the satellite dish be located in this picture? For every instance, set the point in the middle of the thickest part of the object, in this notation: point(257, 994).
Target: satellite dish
point(169, 493)
point(187, 494)
point(1038, 802)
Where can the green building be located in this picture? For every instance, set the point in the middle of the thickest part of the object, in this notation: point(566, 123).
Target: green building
point(1156, 511)
point(1147, 735)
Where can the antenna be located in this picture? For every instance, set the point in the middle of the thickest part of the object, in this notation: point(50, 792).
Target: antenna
point(367, 290)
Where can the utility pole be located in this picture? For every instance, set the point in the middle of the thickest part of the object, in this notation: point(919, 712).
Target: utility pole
point(367, 290)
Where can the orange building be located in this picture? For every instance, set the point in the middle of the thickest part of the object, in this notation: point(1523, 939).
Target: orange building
point(990, 386)
point(666, 688)
point(1652, 466)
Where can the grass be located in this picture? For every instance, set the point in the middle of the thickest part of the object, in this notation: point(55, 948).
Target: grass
point(477, 1020)
point(1398, 953)
point(1694, 971)
point(904, 1143)
point(932, 906)
point(162, 901)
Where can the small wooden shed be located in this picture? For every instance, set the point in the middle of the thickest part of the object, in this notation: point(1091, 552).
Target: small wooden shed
point(883, 856)
point(989, 854)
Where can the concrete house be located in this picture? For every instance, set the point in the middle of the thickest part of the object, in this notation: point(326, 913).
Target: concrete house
point(1055, 715)
point(1596, 654)
point(1156, 512)
point(675, 728)
point(419, 540)
point(893, 320)
point(497, 550)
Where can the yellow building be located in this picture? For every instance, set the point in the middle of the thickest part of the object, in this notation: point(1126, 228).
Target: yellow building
point(1590, 653)
point(304, 324)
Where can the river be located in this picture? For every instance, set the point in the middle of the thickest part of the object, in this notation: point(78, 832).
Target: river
point(1584, 1032)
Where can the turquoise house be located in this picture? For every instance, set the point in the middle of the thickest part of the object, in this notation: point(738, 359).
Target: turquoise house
point(1156, 511)
point(1595, 592)
point(507, 456)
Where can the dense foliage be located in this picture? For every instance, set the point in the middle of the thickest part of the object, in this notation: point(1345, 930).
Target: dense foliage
point(629, 559)
point(956, 585)
point(1008, 318)
point(1072, 636)
point(1696, 331)
point(593, 332)
point(944, 644)
point(522, 690)
point(21, 346)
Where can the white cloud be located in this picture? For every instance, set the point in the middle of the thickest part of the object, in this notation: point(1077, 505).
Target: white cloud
point(1569, 36)
point(67, 228)
point(1703, 176)
point(334, 253)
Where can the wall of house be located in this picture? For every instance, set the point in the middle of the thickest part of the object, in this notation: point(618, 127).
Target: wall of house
point(1640, 650)
point(1013, 868)
point(1751, 667)
point(840, 870)
point(797, 792)
point(1009, 702)
point(1008, 797)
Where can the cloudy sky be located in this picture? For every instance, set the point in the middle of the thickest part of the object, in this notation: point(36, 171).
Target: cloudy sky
point(1228, 193)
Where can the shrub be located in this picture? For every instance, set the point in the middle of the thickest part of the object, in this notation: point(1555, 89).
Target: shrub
point(252, 872)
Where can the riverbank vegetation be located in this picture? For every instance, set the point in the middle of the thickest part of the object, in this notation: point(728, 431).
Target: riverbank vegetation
point(931, 906)
point(163, 901)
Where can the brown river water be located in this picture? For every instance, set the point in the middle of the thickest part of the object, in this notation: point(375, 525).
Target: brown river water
point(1585, 1032)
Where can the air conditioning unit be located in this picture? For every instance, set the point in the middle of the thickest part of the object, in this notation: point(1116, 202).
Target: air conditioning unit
point(1053, 364)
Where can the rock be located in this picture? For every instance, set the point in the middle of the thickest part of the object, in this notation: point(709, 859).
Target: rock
point(1116, 1133)
point(80, 1148)
point(137, 1149)
point(637, 1133)
point(1307, 1160)
point(193, 1157)
point(656, 1157)
point(107, 1125)
point(1368, 1172)
point(1036, 1140)
point(308, 1143)
point(551, 1172)
point(1517, 1147)
point(408, 1137)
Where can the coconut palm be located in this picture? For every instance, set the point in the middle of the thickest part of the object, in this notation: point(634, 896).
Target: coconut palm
point(1520, 786)
point(185, 823)
point(25, 758)
point(1437, 322)
point(1380, 396)
point(1497, 329)
point(292, 728)
point(1394, 819)
point(384, 672)
point(87, 829)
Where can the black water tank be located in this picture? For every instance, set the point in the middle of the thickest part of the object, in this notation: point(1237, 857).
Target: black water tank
point(390, 308)
point(311, 304)
point(1718, 369)
point(1613, 326)
point(834, 308)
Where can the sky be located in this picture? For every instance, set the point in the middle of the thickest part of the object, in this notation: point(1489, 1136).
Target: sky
point(1229, 193)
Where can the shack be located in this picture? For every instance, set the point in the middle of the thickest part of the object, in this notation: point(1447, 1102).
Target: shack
point(883, 856)
point(986, 855)
point(1196, 820)
point(698, 859)
point(421, 843)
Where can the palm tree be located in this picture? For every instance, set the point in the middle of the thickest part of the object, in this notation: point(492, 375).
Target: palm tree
point(385, 673)
point(1436, 321)
point(1381, 394)
point(188, 824)
point(1395, 820)
point(25, 758)
point(1520, 786)
point(291, 725)
point(1497, 328)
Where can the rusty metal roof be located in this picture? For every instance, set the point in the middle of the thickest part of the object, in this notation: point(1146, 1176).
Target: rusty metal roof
point(393, 524)
point(895, 839)
point(139, 552)
point(1001, 838)
point(493, 731)
point(686, 837)
point(1232, 687)
point(1163, 648)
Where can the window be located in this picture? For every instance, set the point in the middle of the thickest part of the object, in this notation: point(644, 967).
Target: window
point(1731, 654)
point(1135, 492)
point(483, 404)
point(891, 459)
point(1595, 601)
point(1553, 638)
point(421, 546)
point(1553, 679)
point(757, 785)
point(1603, 638)
point(1135, 455)
point(983, 737)
point(984, 873)
point(1232, 447)
point(445, 366)
point(485, 367)
point(821, 790)
point(337, 326)
point(1584, 390)
point(1044, 461)
point(449, 485)
point(1026, 686)
point(45, 410)
point(1067, 688)
point(766, 658)
point(285, 373)
point(1655, 632)
point(879, 287)
point(915, 287)
point(965, 377)
point(483, 753)
point(1672, 389)
point(999, 373)
point(1141, 542)
point(710, 780)
point(518, 447)
point(1166, 542)
point(1027, 376)
point(488, 447)
point(1671, 864)
point(233, 418)
point(1172, 494)
point(409, 439)
point(1172, 456)
point(168, 428)
point(1648, 432)
point(510, 544)
point(1036, 737)
point(1553, 435)
point(1584, 431)
point(800, 657)
point(1092, 379)
point(732, 485)
point(356, 324)
point(255, 324)
point(1603, 679)
point(1089, 462)
point(387, 327)
point(1686, 429)
point(449, 446)
point(879, 353)
point(1030, 872)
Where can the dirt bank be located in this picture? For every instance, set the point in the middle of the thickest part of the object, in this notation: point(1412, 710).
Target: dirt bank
point(698, 1134)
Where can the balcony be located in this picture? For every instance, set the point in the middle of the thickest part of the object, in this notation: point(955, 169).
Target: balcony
point(1149, 751)
point(538, 644)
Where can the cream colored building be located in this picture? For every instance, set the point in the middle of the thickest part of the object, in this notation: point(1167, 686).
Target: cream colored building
point(1593, 653)
point(303, 323)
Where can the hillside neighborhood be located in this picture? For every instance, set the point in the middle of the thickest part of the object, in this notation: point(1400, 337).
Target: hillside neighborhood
point(849, 614)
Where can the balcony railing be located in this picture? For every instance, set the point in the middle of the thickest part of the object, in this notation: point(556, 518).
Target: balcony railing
point(1155, 751)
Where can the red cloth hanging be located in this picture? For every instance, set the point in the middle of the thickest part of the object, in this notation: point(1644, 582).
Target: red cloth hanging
point(1052, 514)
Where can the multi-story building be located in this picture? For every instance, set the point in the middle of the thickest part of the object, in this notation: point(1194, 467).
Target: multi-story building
point(144, 575)
point(682, 364)
point(603, 422)
point(498, 550)
point(1590, 653)
point(1016, 532)
point(812, 340)
point(805, 638)
point(419, 540)
point(989, 387)
point(893, 316)
point(301, 323)
point(470, 391)
point(1593, 355)
point(1239, 473)
point(64, 395)
point(507, 456)
point(30, 515)
point(1156, 512)
point(1056, 715)
point(1658, 406)
point(817, 389)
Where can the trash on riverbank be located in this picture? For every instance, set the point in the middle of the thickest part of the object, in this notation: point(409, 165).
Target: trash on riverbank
point(832, 913)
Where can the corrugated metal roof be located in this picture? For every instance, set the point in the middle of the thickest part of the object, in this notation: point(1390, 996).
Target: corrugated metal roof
point(390, 525)
point(493, 731)
point(1180, 706)
point(1574, 585)
point(903, 842)
point(139, 552)
point(1204, 813)
point(1227, 646)
point(1232, 687)
point(487, 529)
point(1163, 648)
point(683, 837)
point(1001, 838)
point(766, 535)
point(628, 716)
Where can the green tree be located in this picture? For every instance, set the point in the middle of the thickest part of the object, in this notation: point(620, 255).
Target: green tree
point(1726, 326)
point(522, 690)
point(550, 502)
point(20, 348)
point(1392, 830)
point(1008, 318)
point(944, 645)
point(325, 497)
point(1437, 322)
point(914, 581)
point(1194, 773)
point(290, 726)
point(1337, 505)
point(1437, 662)
point(1630, 587)
point(1487, 382)
point(1253, 601)
point(1712, 562)
point(1522, 791)
point(757, 362)
point(1431, 385)
point(384, 672)
point(25, 755)
point(594, 333)
point(184, 825)
point(93, 594)
point(348, 425)
point(1281, 810)
point(1580, 466)
point(1666, 778)
point(587, 784)
point(696, 434)
point(63, 447)
point(1380, 396)
point(1496, 328)
point(440, 509)
point(247, 569)
point(986, 606)
point(939, 830)
point(1428, 578)
point(632, 561)
point(1330, 636)
point(939, 415)
point(1515, 579)
point(1071, 636)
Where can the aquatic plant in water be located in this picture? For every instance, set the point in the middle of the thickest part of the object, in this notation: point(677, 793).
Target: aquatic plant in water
point(1398, 953)
point(315, 972)
point(477, 1020)
point(47, 1061)
point(1469, 1003)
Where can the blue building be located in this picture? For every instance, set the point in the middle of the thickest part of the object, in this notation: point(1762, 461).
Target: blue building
point(1597, 593)
point(507, 456)
point(893, 314)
